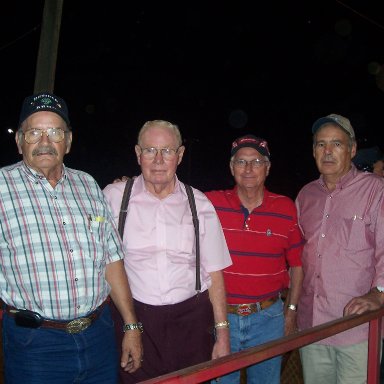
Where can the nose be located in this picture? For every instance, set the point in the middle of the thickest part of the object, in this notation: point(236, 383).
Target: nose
point(44, 137)
point(248, 166)
point(158, 158)
point(328, 148)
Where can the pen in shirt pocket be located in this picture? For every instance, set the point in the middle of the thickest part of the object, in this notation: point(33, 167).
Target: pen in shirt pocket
point(96, 219)
point(90, 223)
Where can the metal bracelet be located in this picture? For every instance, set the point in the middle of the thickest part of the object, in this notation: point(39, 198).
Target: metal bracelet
point(222, 324)
point(133, 326)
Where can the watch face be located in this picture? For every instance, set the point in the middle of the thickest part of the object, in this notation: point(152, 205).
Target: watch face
point(380, 289)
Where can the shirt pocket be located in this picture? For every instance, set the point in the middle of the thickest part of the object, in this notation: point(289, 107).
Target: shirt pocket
point(183, 239)
point(94, 236)
point(354, 234)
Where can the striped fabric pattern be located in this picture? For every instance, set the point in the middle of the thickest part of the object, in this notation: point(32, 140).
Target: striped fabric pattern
point(262, 244)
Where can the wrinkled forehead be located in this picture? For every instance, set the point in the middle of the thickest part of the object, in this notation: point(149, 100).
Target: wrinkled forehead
point(158, 136)
point(43, 119)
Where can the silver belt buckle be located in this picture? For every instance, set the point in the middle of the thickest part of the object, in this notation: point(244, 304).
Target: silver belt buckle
point(78, 325)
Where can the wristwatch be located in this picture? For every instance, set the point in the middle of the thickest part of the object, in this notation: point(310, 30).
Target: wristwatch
point(380, 289)
point(292, 307)
point(133, 326)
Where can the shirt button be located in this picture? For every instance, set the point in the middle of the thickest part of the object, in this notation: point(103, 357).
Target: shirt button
point(322, 235)
point(64, 223)
point(71, 250)
point(327, 215)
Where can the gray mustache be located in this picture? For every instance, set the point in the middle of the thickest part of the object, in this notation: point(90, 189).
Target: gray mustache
point(44, 149)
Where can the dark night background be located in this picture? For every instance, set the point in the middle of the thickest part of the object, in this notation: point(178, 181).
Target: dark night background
point(217, 69)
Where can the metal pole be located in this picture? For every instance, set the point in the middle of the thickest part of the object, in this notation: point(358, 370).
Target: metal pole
point(49, 41)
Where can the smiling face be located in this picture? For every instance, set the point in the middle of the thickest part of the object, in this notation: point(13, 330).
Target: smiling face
point(44, 157)
point(249, 177)
point(159, 171)
point(333, 151)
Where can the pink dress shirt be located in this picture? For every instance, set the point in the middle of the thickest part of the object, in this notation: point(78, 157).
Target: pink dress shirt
point(344, 252)
point(160, 242)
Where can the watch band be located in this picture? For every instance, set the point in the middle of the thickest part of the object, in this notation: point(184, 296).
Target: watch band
point(222, 324)
point(133, 326)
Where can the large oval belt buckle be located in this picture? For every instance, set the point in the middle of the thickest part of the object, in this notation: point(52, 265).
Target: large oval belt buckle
point(244, 310)
point(78, 325)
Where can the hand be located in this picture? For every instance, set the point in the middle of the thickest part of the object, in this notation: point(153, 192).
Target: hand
point(222, 345)
point(123, 178)
point(368, 302)
point(132, 355)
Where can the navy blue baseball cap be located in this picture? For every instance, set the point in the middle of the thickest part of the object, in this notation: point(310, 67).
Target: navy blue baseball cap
point(366, 157)
point(44, 101)
point(251, 141)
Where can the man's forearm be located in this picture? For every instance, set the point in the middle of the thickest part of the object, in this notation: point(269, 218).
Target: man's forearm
point(120, 291)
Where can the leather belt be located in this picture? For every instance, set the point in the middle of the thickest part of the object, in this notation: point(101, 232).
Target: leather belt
point(247, 309)
point(34, 320)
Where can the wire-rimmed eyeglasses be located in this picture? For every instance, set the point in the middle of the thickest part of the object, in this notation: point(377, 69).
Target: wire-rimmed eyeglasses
point(55, 135)
point(166, 153)
point(255, 163)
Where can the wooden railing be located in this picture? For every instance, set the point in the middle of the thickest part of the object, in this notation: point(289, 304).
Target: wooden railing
point(235, 361)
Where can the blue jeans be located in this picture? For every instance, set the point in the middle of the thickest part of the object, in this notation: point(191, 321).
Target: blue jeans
point(250, 331)
point(53, 356)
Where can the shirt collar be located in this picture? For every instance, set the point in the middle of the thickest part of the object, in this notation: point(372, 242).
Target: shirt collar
point(140, 185)
point(344, 180)
point(31, 173)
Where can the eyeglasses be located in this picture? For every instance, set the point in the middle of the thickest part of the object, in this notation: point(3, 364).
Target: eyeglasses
point(55, 135)
point(255, 163)
point(166, 153)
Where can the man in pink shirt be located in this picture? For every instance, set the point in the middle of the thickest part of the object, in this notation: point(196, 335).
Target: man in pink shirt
point(342, 218)
point(182, 327)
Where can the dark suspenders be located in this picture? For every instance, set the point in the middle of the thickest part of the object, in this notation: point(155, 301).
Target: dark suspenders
point(124, 206)
point(192, 204)
point(195, 219)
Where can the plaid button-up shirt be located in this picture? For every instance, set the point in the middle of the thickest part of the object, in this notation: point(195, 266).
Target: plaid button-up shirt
point(54, 242)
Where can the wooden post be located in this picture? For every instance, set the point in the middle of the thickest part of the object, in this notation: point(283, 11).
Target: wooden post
point(49, 41)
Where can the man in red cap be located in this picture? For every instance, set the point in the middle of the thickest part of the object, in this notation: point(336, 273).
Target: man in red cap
point(265, 244)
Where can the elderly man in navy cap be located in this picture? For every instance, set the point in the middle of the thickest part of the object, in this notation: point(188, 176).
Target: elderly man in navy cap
point(341, 215)
point(265, 243)
point(60, 259)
